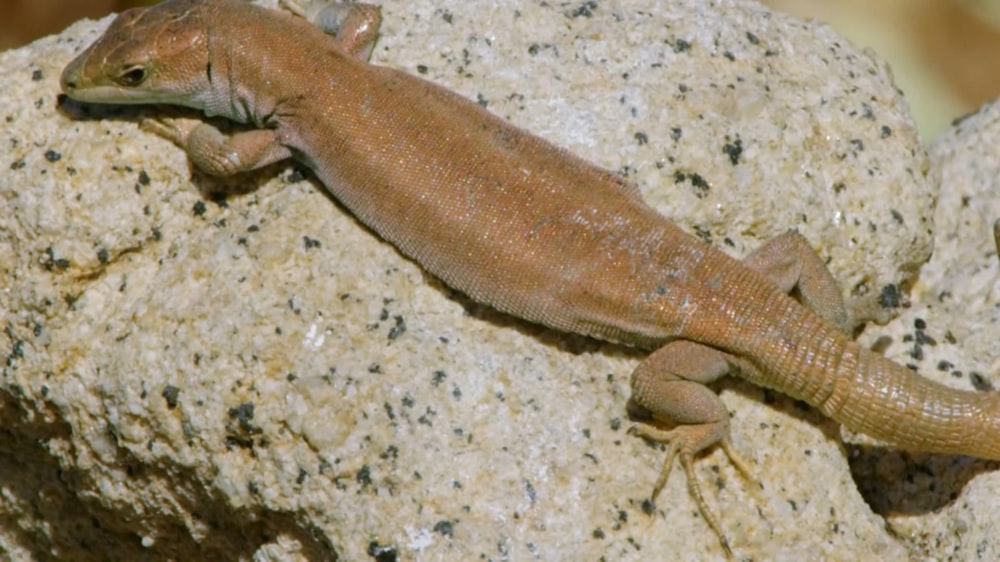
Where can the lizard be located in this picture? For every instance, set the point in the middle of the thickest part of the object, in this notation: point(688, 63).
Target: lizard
point(522, 225)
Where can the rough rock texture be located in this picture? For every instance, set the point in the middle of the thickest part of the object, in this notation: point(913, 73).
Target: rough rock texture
point(190, 377)
point(943, 507)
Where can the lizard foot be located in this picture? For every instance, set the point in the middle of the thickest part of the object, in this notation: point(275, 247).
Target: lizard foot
point(685, 442)
point(174, 129)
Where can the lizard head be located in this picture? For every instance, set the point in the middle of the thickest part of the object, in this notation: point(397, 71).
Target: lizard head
point(147, 55)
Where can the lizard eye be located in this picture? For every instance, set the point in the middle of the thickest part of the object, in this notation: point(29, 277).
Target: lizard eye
point(132, 77)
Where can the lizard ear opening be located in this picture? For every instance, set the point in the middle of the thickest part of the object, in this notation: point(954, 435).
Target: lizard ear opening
point(132, 76)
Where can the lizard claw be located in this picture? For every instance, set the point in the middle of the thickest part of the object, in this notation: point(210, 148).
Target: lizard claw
point(685, 442)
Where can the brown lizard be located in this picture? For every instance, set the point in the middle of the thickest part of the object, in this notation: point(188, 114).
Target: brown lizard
point(569, 245)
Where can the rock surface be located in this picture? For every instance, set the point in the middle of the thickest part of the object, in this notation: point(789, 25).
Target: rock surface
point(189, 377)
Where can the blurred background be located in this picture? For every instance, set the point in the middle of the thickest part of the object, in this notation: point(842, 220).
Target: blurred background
point(944, 53)
point(23, 21)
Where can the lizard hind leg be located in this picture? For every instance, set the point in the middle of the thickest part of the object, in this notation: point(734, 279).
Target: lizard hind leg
point(670, 387)
point(794, 267)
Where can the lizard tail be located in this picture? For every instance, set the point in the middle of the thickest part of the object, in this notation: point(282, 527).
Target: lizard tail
point(895, 404)
point(870, 394)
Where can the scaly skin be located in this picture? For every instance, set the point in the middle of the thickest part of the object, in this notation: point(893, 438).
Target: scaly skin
point(569, 245)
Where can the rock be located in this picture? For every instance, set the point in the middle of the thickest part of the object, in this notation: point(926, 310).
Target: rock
point(260, 376)
point(945, 506)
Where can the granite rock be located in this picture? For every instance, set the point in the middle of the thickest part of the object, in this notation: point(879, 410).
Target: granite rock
point(258, 376)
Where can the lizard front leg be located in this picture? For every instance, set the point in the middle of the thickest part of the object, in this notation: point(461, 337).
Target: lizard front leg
point(218, 153)
point(354, 24)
